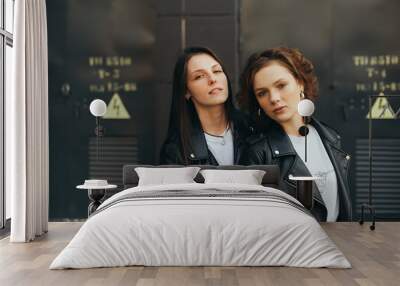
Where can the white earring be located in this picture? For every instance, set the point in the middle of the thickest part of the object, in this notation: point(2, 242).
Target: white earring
point(187, 96)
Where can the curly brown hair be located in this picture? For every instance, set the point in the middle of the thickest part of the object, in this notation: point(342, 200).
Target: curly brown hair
point(299, 66)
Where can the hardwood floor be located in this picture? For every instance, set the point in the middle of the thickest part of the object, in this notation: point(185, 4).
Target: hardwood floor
point(374, 255)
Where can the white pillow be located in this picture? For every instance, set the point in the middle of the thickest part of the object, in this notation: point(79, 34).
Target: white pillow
point(164, 176)
point(248, 177)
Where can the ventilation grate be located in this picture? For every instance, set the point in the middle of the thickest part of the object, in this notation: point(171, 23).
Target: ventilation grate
point(385, 176)
point(114, 152)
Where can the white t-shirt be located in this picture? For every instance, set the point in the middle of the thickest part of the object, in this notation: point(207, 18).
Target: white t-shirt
point(221, 147)
point(319, 165)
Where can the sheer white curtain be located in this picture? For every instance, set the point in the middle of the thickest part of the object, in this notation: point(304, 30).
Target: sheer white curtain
point(27, 146)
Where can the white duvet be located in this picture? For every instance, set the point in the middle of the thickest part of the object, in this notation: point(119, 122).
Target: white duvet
point(226, 231)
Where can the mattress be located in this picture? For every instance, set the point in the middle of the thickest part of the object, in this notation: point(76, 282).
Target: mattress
point(201, 225)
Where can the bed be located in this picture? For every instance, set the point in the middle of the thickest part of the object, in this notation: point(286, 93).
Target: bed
point(201, 224)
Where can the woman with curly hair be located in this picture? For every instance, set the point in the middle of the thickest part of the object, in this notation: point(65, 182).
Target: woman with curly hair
point(272, 85)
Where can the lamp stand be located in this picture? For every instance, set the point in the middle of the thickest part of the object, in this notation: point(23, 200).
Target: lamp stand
point(304, 184)
point(303, 131)
point(97, 139)
point(99, 131)
point(369, 206)
point(305, 146)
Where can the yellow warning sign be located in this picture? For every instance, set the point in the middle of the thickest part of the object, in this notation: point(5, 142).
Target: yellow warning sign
point(381, 109)
point(116, 109)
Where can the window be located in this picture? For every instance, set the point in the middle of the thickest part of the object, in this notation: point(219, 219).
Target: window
point(9, 15)
point(6, 60)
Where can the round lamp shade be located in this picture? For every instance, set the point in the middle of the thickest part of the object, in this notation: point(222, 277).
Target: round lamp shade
point(98, 107)
point(306, 107)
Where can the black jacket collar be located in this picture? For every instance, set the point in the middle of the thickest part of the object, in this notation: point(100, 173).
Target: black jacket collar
point(199, 143)
point(241, 129)
point(325, 132)
point(280, 142)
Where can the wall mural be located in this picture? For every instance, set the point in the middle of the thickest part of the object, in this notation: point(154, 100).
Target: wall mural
point(106, 49)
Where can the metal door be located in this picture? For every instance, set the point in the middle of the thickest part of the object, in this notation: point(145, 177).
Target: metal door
point(97, 49)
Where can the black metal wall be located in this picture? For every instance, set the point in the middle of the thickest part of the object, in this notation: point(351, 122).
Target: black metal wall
point(82, 36)
point(98, 49)
point(356, 52)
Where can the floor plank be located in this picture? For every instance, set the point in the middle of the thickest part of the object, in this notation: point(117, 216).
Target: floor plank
point(374, 255)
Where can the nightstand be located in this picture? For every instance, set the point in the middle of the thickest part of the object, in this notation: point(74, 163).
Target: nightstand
point(96, 191)
point(304, 192)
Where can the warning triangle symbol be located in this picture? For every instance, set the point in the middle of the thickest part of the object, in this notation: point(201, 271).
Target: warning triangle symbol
point(116, 109)
point(381, 109)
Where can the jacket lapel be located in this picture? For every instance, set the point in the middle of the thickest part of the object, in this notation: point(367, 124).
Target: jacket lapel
point(340, 161)
point(199, 144)
point(283, 151)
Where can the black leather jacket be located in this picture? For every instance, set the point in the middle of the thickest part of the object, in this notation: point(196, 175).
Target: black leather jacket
point(275, 147)
point(201, 155)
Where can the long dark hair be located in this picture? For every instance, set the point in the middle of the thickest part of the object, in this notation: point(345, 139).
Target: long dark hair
point(183, 115)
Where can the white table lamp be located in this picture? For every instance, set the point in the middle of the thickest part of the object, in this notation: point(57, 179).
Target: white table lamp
point(98, 108)
point(305, 108)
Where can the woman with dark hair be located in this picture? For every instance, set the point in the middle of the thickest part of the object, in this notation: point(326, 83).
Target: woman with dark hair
point(204, 126)
point(272, 85)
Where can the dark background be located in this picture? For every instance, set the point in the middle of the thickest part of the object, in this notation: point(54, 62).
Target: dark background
point(152, 33)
